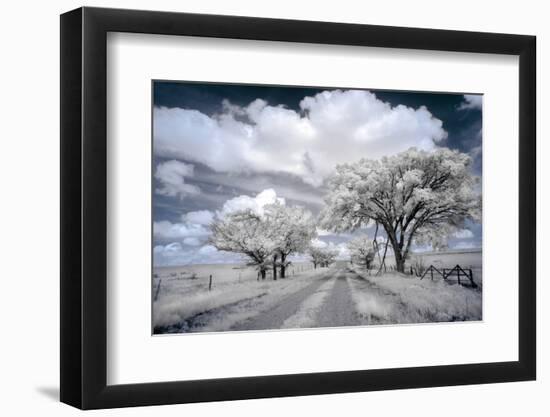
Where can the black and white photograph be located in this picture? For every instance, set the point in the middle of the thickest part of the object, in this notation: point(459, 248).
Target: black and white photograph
point(283, 207)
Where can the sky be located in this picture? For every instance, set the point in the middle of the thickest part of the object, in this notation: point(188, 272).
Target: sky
point(218, 148)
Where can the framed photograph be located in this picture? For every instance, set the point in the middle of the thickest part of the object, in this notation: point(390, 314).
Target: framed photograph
point(256, 208)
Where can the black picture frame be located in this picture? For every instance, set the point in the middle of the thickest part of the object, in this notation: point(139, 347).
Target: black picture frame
point(84, 207)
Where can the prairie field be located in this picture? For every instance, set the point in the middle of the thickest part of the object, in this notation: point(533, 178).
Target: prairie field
point(185, 300)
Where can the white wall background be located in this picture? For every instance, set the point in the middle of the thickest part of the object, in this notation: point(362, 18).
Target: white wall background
point(29, 173)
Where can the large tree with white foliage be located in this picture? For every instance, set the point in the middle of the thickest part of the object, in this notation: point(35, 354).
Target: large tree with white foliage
point(414, 195)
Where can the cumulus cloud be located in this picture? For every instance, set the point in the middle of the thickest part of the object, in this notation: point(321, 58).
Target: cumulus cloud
point(166, 230)
point(171, 175)
point(193, 229)
point(203, 217)
point(167, 254)
point(256, 204)
point(464, 234)
point(318, 243)
point(466, 245)
point(340, 248)
point(176, 254)
point(207, 250)
point(343, 251)
point(323, 232)
point(471, 101)
point(173, 247)
point(191, 241)
point(332, 127)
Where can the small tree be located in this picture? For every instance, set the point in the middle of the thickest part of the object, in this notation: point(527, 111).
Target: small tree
point(322, 257)
point(315, 256)
point(292, 229)
point(414, 195)
point(244, 232)
point(362, 251)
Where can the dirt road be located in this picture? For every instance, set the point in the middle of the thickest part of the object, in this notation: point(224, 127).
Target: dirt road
point(334, 309)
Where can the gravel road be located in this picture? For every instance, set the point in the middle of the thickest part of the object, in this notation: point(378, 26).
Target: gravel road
point(276, 316)
point(336, 310)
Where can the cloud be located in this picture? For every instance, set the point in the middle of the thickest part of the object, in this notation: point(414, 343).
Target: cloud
point(322, 232)
point(203, 217)
point(476, 151)
point(168, 254)
point(464, 234)
point(256, 204)
point(340, 248)
point(471, 101)
point(173, 247)
point(175, 253)
point(343, 251)
point(332, 127)
point(171, 175)
point(318, 243)
point(466, 245)
point(207, 250)
point(192, 241)
point(165, 230)
point(180, 243)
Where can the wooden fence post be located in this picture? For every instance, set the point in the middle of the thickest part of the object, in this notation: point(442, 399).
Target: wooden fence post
point(210, 283)
point(458, 274)
point(158, 290)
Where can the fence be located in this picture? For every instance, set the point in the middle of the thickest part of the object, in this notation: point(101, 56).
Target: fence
point(447, 273)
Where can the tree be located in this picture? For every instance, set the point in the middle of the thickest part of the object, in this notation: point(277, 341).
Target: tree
point(244, 232)
point(415, 194)
point(362, 251)
point(322, 256)
point(292, 229)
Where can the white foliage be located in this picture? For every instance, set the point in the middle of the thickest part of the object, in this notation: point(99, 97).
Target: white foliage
point(362, 250)
point(415, 194)
point(267, 235)
point(323, 256)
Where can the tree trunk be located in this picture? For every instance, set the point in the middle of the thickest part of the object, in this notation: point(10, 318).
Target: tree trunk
point(397, 250)
point(262, 273)
point(274, 267)
point(399, 262)
point(283, 267)
point(314, 265)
